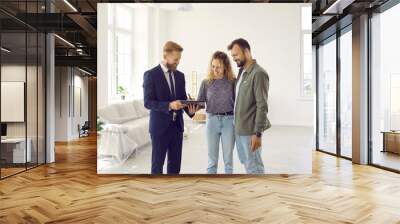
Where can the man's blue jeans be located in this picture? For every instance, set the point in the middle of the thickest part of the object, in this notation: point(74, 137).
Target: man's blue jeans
point(252, 161)
point(220, 128)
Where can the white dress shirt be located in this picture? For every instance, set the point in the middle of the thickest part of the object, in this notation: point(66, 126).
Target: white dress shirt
point(166, 75)
point(237, 87)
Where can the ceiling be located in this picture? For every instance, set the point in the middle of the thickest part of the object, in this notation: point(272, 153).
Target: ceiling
point(77, 25)
point(332, 15)
point(76, 22)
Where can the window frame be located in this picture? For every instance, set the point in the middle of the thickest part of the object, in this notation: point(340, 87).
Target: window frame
point(303, 33)
point(112, 50)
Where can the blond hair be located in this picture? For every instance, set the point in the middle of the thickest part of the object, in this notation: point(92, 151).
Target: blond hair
point(171, 46)
point(223, 58)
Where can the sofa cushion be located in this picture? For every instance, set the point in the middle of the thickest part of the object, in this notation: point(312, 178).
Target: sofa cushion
point(122, 112)
point(138, 130)
point(126, 111)
point(140, 109)
point(109, 114)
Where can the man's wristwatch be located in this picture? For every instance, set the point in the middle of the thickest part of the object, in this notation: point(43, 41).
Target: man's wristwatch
point(258, 134)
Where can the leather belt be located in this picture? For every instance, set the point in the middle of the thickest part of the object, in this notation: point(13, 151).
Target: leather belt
point(224, 114)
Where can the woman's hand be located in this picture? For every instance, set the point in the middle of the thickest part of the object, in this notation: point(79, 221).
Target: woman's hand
point(193, 109)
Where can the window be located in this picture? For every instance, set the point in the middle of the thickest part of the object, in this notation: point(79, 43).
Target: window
point(22, 76)
point(346, 94)
point(394, 102)
point(385, 89)
point(120, 51)
point(327, 96)
point(123, 17)
point(334, 106)
point(306, 85)
point(129, 50)
point(123, 58)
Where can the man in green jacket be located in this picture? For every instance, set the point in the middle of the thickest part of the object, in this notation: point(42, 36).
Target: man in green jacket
point(251, 106)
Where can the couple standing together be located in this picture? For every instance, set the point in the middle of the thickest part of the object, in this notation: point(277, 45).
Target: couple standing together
point(236, 109)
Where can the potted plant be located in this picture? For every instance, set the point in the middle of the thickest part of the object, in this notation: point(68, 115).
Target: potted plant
point(121, 90)
point(99, 126)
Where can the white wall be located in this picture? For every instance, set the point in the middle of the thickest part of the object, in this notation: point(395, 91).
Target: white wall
point(102, 55)
point(12, 73)
point(141, 48)
point(61, 103)
point(275, 42)
point(67, 85)
point(34, 125)
point(274, 39)
point(79, 117)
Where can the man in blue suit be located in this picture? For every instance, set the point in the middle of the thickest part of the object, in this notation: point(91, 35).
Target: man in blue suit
point(163, 87)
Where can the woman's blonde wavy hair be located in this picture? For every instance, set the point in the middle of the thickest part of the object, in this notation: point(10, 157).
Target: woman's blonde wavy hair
point(222, 57)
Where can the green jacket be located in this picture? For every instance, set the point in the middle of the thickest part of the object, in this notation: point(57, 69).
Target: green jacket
point(251, 105)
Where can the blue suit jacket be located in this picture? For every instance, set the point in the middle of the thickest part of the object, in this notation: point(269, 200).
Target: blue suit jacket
point(157, 96)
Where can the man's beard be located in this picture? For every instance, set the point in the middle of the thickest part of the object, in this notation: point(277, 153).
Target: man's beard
point(171, 66)
point(240, 64)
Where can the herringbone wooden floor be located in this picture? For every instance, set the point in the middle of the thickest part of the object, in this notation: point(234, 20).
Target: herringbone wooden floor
point(70, 191)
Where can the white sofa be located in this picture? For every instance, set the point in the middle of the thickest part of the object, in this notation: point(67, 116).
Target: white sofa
point(126, 129)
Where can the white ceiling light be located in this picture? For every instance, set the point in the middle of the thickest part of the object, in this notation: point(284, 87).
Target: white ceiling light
point(70, 5)
point(185, 7)
point(338, 6)
point(84, 71)
point(5, 50)
point(64, 40)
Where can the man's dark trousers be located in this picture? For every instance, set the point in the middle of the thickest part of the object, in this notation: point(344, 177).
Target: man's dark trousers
point(170, 145)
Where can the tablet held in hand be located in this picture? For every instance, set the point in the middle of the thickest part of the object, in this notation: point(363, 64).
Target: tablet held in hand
point(201, 104)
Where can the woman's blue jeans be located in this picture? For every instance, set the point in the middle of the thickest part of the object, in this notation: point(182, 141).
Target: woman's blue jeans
point(220, 128)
